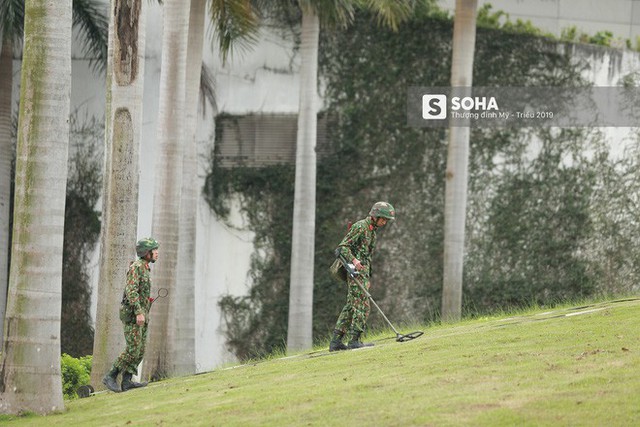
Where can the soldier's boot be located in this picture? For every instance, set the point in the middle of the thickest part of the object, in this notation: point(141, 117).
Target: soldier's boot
point(336, 341)
point(354, 341)
point(127, 384)
point(111, 380)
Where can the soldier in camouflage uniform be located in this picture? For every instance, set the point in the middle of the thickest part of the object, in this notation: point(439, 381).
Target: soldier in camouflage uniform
point(134, 313)
point(357, 248)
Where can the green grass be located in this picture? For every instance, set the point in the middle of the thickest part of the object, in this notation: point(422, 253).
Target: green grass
point(570, 366)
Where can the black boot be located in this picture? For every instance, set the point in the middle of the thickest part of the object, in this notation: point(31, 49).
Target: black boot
point(127, 384)
point(111, 380)
point(336, 341)
point(355, 342)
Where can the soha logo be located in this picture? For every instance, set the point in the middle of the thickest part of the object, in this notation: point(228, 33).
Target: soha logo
point(434, 107)
point(477, 103)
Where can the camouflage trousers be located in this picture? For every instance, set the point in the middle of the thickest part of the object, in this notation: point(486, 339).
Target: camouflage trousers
point(135, 338)
point(353, 317)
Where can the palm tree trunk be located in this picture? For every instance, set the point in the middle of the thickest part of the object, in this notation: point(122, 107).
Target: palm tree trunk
point(123, 124)
point(185, 349)
point(30, 377)
point(299, 333)
point(464, 37)
point(6, 155)
point(166, 206)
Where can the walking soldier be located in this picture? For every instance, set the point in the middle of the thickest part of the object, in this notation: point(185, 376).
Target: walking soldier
point(357, 248)
point(134, 314)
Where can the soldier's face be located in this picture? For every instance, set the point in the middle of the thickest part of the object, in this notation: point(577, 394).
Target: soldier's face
point(381, 221)
point(153, 255)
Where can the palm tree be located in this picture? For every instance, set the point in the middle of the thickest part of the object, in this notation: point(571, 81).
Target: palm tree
point(123, 123)
point(30, 376)
point(299, 331)
point(464, 37)
point(166, 209)
point(91, 21)
point(171, 346)
point(184, 350)
point(332, 12)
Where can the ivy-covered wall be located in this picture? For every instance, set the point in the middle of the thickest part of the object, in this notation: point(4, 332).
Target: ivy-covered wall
point(538, 198)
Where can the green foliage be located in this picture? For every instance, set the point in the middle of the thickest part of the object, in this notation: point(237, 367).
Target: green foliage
point(540, 202)
point(602, 38)
point(500, 20)
point(537, 222)
point(75, 373)
point(236, 24)
point(569, 34)
point(90, 19)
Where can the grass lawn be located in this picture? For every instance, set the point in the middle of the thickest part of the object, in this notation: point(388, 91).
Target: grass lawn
point(573, 366)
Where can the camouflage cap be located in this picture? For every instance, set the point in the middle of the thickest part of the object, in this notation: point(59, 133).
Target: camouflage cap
point(383, 210)
point(145, 245)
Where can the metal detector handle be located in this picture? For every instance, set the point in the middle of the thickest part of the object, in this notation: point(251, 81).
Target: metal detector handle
point(351, 270)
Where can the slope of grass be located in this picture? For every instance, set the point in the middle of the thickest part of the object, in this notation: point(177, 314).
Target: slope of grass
point(574, 366)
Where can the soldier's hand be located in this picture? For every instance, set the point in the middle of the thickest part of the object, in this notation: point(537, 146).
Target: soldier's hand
point(140, 319)
point(357, 264)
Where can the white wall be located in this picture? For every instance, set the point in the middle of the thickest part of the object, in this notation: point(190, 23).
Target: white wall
point(262, 79)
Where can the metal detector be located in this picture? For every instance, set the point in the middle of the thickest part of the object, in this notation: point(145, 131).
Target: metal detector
point(85, 391)
point(351, 271)
point(162, 292)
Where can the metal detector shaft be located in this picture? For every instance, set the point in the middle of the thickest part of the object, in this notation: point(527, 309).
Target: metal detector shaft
point(354, 275)
point(366, 292)
point(351, 270)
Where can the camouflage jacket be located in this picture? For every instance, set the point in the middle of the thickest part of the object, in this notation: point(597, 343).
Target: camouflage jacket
point(138, 288)
point(360, 242)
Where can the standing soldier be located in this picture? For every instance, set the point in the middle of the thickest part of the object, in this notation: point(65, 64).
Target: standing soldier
point(134, 313)
point(357, 248)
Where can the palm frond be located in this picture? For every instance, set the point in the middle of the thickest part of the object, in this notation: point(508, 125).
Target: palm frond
point(92, 20)
point(390, 13)
point(207, 89)
point(12, 19)
point(332, 13)
point(236, 24)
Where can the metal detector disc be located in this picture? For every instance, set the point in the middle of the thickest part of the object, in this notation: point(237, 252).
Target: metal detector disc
point(409, 337)
point(85, 391)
